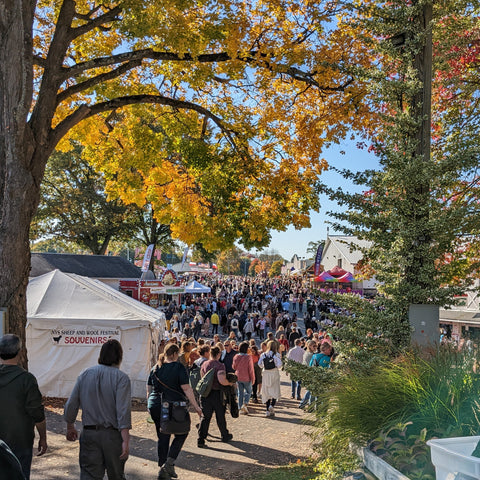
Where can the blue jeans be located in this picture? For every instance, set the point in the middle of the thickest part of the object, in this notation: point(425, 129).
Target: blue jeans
point(296, 386)
point(244, 393)
point(306, 400)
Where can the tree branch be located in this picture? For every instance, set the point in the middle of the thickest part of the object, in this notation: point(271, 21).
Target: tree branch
point(86, 111)
point(251, 57)
point(147, 53)
point(91, 82)
point(96, 22)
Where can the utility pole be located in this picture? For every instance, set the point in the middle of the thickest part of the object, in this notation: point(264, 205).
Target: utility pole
point(423, 318)
point(423, 65)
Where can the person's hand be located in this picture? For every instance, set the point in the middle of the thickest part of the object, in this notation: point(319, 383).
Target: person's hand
point(199, 411)
point(42, 446)
point(125, 451)
point(72, 433)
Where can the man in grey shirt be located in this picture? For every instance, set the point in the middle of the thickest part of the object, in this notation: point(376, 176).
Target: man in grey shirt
point(103, 394)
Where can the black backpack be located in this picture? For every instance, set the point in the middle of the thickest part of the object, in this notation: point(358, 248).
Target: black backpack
point(268, 362)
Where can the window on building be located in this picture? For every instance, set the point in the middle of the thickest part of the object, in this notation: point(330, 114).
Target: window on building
point(339, 263)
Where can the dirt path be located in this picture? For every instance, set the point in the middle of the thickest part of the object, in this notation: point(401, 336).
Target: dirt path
point(258, 443)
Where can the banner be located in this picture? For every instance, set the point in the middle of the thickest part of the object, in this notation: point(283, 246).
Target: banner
point(84, 337)
point(184, 256)
point(147, 257)
point(318, 259)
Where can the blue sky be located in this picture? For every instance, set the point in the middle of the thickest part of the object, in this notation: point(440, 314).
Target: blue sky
point(294, 241)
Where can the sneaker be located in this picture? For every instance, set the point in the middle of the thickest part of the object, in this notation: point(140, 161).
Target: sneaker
point(267, 413)
point(163, 475)
point(244, 410)
point(201, 444)
point(227, 438)
point(271, 410)
point(299, 398)
point(169, 467)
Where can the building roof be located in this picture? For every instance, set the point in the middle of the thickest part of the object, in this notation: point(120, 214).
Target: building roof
point(349, 246)
point(93, 266)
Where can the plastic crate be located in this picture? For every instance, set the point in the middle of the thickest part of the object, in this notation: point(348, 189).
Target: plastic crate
point(452, 458)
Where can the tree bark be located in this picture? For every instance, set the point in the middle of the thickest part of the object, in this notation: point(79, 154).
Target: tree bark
point(21, 163)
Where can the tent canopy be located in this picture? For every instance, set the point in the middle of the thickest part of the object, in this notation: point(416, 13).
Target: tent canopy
point(57, 295)
point(69, 317)
point(196, 287)
point(337, 271)
point(324, 277)
point(348, 277)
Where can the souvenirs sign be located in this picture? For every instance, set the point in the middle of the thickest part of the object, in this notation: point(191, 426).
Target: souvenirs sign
point(84, 336)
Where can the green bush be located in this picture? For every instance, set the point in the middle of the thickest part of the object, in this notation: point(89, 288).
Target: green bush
point(374, 388)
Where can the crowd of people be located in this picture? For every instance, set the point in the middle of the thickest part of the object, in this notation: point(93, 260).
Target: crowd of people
point(240, 334)
point(247, 307)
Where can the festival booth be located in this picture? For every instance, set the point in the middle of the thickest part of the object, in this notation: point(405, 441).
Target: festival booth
point(156, 293)
point(69, 317)
point(336, 275)
point(196, 287)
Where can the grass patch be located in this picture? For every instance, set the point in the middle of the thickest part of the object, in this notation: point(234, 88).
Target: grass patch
point(293, 471)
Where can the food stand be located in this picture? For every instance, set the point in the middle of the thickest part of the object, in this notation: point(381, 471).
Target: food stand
point(156, 293)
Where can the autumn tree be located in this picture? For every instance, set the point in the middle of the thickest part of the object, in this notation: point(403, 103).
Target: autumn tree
point(229, 261)
point(252, 269)
point(276, 268)
point(272, 80)
point(406, 208)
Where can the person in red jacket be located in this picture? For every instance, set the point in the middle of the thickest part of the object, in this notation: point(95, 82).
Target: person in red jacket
point(243, 366)
point(283, 341)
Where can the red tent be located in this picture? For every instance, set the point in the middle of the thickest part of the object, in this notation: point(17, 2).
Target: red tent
point(337, 271)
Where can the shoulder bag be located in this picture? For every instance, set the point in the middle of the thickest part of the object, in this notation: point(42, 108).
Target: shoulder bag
point(174, 416)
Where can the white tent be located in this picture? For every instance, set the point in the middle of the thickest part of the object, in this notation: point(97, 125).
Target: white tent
point(69, 317)
point(196, 287)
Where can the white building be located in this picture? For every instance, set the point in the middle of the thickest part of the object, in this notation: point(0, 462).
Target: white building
point(346, 252)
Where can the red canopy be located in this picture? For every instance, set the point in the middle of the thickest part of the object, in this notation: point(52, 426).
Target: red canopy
point(337, 271)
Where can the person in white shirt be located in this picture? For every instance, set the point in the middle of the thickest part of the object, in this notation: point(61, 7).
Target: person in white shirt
point(270, 361)
point(296, 355)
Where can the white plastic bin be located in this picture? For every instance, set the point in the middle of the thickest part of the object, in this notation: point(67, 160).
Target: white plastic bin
point(452, 458)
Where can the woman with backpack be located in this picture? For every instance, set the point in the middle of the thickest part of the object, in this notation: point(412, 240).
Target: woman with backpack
point(270, 361)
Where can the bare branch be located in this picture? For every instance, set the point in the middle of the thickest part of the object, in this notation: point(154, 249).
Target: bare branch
point(39, 61)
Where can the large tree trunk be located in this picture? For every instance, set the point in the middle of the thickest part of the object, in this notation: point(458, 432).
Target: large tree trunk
point(21, 165)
